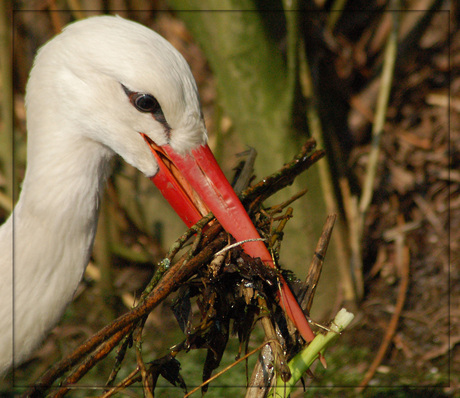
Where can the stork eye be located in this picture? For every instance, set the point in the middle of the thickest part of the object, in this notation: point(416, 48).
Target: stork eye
point(146, 103)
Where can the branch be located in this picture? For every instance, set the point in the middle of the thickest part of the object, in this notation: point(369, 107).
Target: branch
point(213, 240)
point(255, 195)
point(171, 280)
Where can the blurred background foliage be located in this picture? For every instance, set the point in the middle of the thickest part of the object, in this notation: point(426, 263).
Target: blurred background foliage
point(270, 74)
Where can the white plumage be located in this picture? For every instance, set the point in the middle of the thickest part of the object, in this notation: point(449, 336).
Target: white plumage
point(78, 117)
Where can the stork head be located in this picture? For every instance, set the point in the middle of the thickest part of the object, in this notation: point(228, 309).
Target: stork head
point(113, 79)
point(118, 84)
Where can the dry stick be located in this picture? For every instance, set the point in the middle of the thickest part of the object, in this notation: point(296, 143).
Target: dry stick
point(129, 380)
point(162, 267)
point(404, 260)
point(140, 361)
point(316, 266)
point(278, 233)
point(174, 249)
point(132, 378)
point(281, 206)
point(227, 368)
point(325, 176)
point(105, 349)
point(91, 360)
point(100, 353)
point(177, 274)
point(256, 194)
point(121, 352)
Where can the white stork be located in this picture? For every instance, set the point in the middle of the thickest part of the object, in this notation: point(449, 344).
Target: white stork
point(103, 86)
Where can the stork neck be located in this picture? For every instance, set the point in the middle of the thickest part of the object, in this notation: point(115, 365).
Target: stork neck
point(63, 182)
point(51, 233)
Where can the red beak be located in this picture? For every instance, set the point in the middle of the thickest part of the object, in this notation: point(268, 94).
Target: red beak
point(195, 185)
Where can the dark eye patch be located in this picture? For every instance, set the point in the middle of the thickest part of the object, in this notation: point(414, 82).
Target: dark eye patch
point(147, 103)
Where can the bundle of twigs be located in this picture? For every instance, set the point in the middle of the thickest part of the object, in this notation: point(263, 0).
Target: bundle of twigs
point(226, 286)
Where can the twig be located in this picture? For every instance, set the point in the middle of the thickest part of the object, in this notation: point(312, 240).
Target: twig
point(213, 240)
point(324, 175)
point(268, 186)
point(377, 132)
point(380, 114)
point(281, 206)
point(140, 361)
point(278, 233)
point(314, 273)
point(112, 342)
point(244, 174)
point(243, 358)
point(38, 389)
point(186, 236)
point(177, 274)
point(404, 260)
point(129, 380)
point(121, 352)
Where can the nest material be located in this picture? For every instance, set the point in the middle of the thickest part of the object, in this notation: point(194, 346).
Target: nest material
point(231, 292)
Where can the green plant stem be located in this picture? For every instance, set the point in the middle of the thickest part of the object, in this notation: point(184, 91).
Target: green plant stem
point(380, 115)
point(390, 56)
point(303, 360)
point(335, 13)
